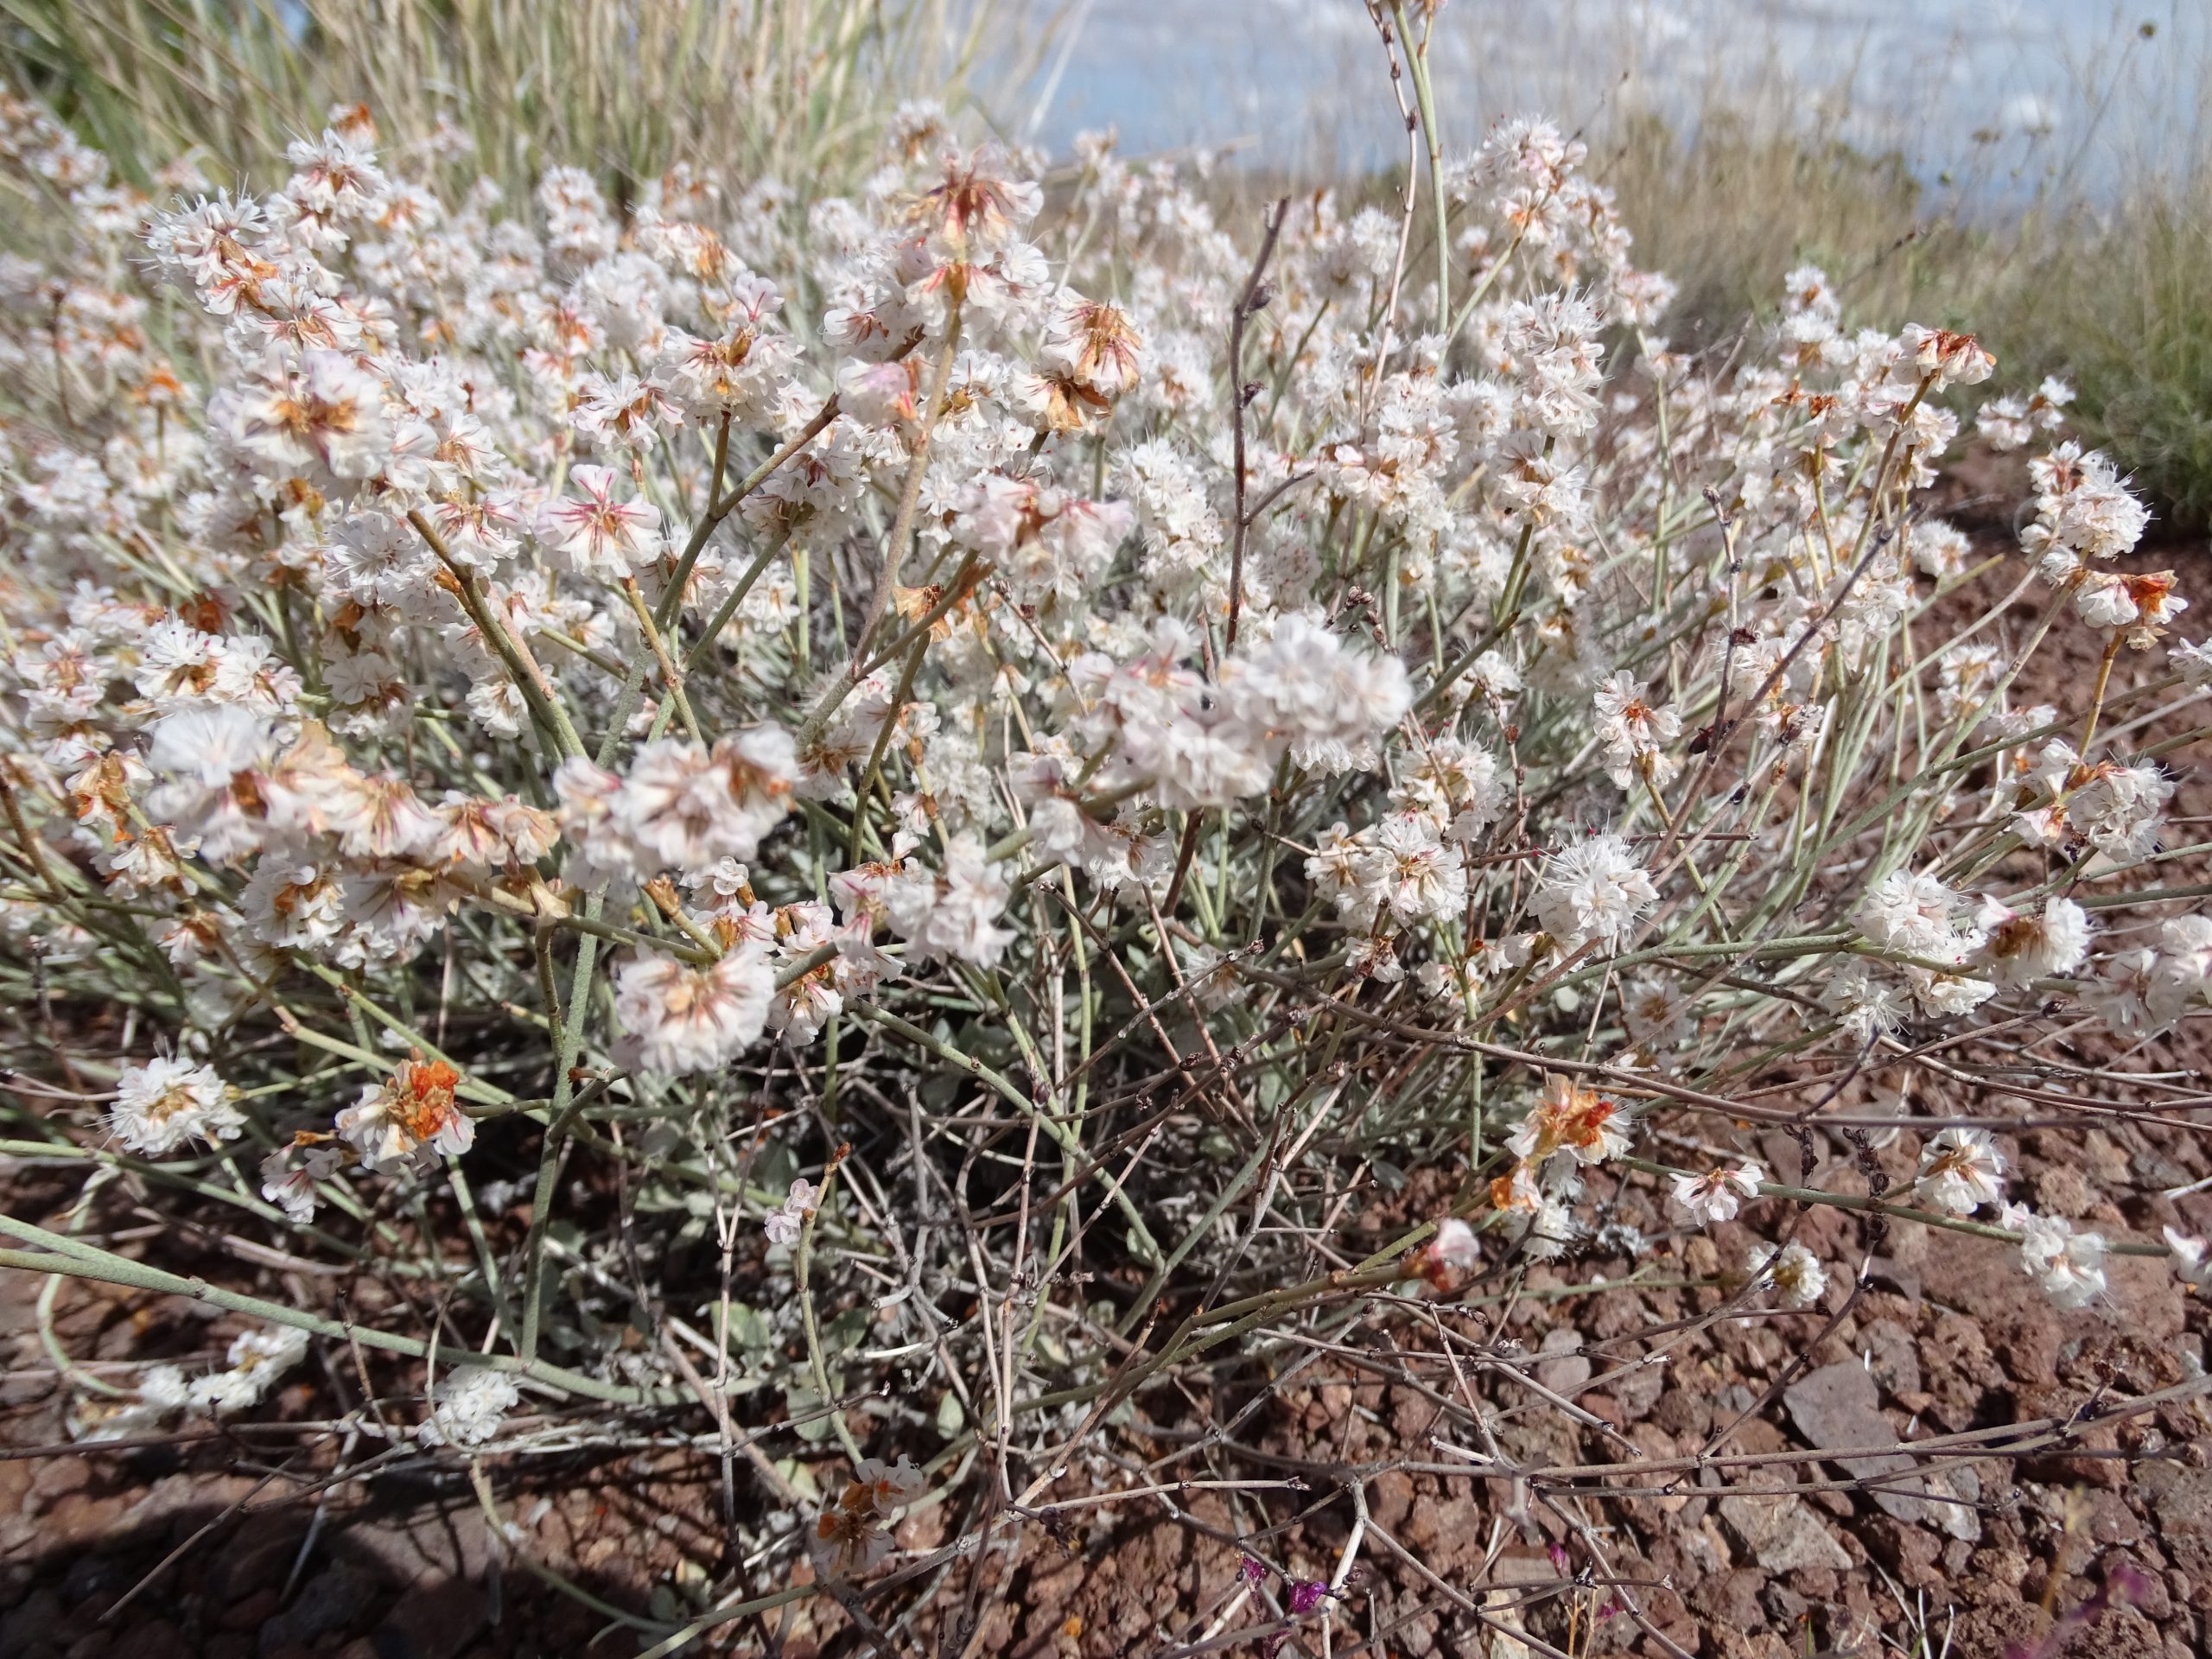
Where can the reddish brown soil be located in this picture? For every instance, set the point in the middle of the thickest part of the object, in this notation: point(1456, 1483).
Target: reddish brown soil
point(1956, 1335)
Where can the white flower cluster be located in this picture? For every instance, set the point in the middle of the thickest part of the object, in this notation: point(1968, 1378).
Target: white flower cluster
point(470, 1405)
point(536, 656)
point(167, 1103)
point(256, 1361)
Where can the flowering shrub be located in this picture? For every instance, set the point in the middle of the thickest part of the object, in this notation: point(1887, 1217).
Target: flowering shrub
point(1102, 736)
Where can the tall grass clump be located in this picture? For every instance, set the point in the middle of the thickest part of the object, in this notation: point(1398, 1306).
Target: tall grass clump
point(913, 841)
point(2079, 252)
point(2119, 301)
point(1724, 207)
point(499, 89)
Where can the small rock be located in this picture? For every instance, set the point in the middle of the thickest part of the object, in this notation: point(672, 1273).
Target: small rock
point(154, 1639)
point(56, 1476)
point(1887, 1273)
point(432, 1621)
point(1704, 1545)
point(251, 1612)
point(1683, 1412)
point(92, 1575)
point(1565, 1375)
point(1892, 1355)
point(2153, 1169)
point(1961, 1519)
point(1782, 1533)
point(2106, 1158)
point(329, 1601)
point(1836, 1408)
point(1638, 1389)
point(1818, 1584)
point(1838, 1504)
point(1784, 1606)
point(1730, 1601)
point(1910, 1552)
point(1834, 1405)
point(2064, 1191)
point(34, 1623)
point(260, 1553)
point(2113, 1521)
point(2183, 1503)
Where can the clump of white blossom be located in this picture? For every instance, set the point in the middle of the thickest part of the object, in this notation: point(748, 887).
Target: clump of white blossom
point(468, 1407)
point(471, 657)
point(256, 1361)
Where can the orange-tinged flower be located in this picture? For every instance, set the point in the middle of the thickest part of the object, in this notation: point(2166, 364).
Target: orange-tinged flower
point(853, 1535)
point(410, 1117)
point(977, 208)
point(1573, 1119)
point(1097, 346)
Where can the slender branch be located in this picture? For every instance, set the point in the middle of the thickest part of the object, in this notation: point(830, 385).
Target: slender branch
point(1252, 298)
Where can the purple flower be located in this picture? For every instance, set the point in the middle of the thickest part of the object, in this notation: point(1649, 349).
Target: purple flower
point(1251, 1570)
point(1305, 1597)
point(2125, 1585)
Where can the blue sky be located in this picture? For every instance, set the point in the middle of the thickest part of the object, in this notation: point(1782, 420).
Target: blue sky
point(2004, 91)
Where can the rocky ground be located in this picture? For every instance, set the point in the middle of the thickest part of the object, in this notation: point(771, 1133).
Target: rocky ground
point(267, 1543)
point(214, 1546)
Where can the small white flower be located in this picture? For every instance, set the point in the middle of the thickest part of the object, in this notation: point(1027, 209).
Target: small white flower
point(684, 1018)
point(2070, 1266)
point(1579, 1123)
point(471, 1404)
point(409, 1119)
point(1950, 359)
point(2190, 1254)
point(784, 1223)
point(1912, 913)
point(267, 1354)
point(1795, 1272)
point(257, 1360)
point(163, 1104)
point(600, 536)
point(164, 1389)
point(1594, 889)
point(1452, 1249)
point(211, 759)
point(1960, 1170)
point(1866, 1003)
point(1653, 1010)
point(1495, 676)
point(1633, 732)
point(289, 1173)
point(1716, 1195)
point(2192, 662)
point(2020, 950)
point(953, 913)
point(1545, 1231)
point(2181, 975)
point(1407, 870)
point(683, 807)
point(853, 1535)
